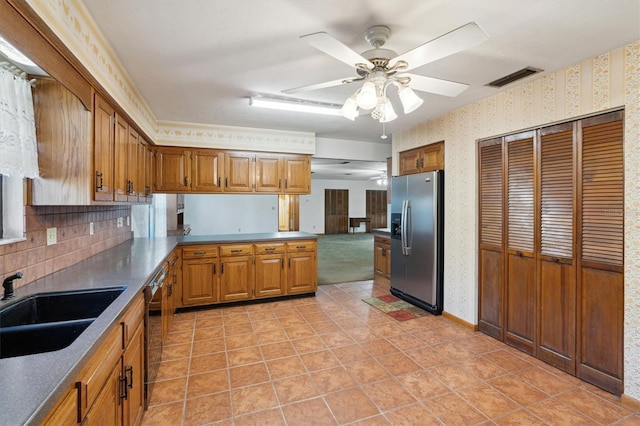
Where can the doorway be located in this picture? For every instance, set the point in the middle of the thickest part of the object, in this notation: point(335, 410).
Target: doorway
point(288, 213)
point(377, 208)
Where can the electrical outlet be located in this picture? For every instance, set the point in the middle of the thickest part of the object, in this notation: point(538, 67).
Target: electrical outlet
point(128, 220)
point(52, 236)
point(120, 222)
point(91, 230)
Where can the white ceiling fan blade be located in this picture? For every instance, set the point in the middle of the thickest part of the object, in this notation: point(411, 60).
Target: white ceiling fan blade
point(321, 85)
point(435, 85)
point(462, 38)
point(332, 47)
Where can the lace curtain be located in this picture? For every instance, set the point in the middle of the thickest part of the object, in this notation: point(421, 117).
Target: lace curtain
point(18, 146)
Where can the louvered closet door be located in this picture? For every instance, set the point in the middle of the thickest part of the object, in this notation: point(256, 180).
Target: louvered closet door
point(600, 273)
point(490, 250)
point(520, 286)
point(557, 284)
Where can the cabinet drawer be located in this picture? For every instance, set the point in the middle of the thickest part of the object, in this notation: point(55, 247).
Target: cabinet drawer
point(192, 252)
point(96, 372)
point(267, 248)
point(132, 319)
point(382, 239)
point(303, 245)
point(236, 250)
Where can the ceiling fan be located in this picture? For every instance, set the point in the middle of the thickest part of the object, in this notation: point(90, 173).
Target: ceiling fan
point(380, 68)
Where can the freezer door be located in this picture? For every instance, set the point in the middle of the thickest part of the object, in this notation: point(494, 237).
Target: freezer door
point(421, 277)
point(398, 260)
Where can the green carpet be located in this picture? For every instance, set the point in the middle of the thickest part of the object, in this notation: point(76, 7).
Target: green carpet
point(345, 258)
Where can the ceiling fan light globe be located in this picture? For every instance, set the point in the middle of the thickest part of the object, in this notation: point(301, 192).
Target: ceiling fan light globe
point(350, 108)
point(388, 114)
point(367, 97)
point(410, 101)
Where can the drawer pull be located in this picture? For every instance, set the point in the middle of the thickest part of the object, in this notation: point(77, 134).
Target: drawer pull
point(270, 248)
point(301, 247)
point(199, 252)
point(236, 250)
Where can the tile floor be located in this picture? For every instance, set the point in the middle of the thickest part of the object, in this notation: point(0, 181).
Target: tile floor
point(333, 359)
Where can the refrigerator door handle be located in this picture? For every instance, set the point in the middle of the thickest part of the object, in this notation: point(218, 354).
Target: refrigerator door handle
point(408, 229)
point(403, 241)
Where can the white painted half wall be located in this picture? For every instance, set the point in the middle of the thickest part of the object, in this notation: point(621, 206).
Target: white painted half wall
point(230, 213)
point(312, 205)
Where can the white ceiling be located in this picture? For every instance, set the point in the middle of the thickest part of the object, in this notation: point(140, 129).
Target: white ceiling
point(199, 60)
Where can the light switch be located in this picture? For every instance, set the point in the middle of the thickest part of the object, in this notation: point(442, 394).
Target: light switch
point(52, 236)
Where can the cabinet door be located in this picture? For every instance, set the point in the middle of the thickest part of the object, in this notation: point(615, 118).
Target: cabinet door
point(207, 170)
point(301, 273)
point(104, 129)
point(200, 281)
point(65, 413)
point(297, 174)
point(379, 260)
point(432, 157)
point(409, 162)
point(142, 183)
point(121, 151)
point(269, 173)
point(270, 275)
point(133, 372)
point(520, 315)
point(490, 274)
point(133, 166)
point(173, 169)
point(236, 278)
point(150, 175)
point(240, 172)
point(105, 411)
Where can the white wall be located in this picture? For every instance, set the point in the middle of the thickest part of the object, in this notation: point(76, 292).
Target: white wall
point(312, 205)
point(230, 213)
point(352, 150)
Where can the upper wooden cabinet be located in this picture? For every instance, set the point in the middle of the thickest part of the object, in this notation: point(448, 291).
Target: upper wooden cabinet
point(423, 159)
point(180, 170)
point(77, 151)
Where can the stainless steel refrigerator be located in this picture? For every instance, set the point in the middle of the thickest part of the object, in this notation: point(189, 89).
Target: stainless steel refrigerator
point(417, 239)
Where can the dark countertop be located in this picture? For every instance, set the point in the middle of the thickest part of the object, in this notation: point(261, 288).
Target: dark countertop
point(31, 385)
point(382, 231)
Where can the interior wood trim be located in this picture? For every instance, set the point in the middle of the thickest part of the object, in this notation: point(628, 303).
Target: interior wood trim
point(630, 402)
point(460, 321)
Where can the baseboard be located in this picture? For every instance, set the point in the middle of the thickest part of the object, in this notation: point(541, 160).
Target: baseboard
point(630, 402)
point(460, 321)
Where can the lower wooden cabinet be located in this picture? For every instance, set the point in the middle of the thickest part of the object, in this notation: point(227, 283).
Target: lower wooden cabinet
point(382, 258)
point(109, 390)
point(235, 272)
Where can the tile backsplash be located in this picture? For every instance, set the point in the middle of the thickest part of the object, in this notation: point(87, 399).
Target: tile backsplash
point(74, 243)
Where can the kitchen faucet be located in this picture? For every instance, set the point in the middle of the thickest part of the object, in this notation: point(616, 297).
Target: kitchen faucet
point(8, 285)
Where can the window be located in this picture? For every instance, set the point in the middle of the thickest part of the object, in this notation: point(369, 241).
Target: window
point(12, 207)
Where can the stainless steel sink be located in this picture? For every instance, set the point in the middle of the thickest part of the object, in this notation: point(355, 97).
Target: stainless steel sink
point(47, 322)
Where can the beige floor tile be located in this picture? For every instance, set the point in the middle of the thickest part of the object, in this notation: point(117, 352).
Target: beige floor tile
point(293, 389)
point(319, 360)
point(333, 379)
point(203, 347)
point(167, 391)
point(415, 414)
point(252, 399)
point(277, 350)
point(518, 390)
point(248, 375)
point(309, 344)
point(488, 401)
point(398, 364)
point(593, 406)
point(351, 405)
point(453, 410)
point(311, 412)
point(173, 369)
point(209, 362)
point(207, 383)
point(368, 371)
point(164, 414)
point(270, 417)
point(388, 394)
point(244, 356)
point(351, 353)
point(453, 376)
point(423, 385)
point(285, 367)
point(207, 409)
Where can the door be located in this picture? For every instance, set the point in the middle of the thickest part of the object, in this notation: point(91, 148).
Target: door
point(288, 211)
point(377, 208)
point(521, 264)
point(336, 211)
point(398, 259)
point(490, 260)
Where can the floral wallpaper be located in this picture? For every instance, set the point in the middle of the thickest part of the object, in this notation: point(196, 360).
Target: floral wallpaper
point(605, 82)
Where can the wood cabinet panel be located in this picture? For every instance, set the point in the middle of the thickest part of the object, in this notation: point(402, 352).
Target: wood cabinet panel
point(200, 281)
point(302, 274)
point(268, 173)
point(491, 293)
point(173, 169)
point(270, 275)
point(520, 189)
point(133, 163)
point(382, 258)
point(103, 154)
point(521, 300)
point(240, 172)
point(297, 174)
point(490, 190)
point(105, 411)
point(133, 373)
point(207, 170)
point(65, 413)
point(121, 151)
point(236, 278)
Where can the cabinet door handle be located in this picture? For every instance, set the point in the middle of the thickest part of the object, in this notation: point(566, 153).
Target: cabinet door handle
point(186, 181)
point(219, 179)
point(282, 263)
point(555, 259)
point(384, 252)
point(222, 268)
point(98, 181)
point(122, 393)
point(279, 183)
point(198, 253)
point(129, 380)
point(226, 182)
point(214, 269)
point(286, 183)
point(518, 253)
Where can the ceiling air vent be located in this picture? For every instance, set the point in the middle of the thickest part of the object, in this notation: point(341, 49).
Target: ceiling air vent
point(524, 72)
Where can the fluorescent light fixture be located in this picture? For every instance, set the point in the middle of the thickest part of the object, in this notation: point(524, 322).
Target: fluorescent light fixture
point(14, 54)
point(295, 105)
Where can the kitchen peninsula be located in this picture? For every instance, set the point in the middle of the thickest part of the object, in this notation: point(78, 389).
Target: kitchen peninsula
point(34, 384)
